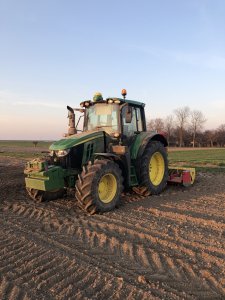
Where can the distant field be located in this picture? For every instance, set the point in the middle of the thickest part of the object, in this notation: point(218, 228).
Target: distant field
point(202, 158)
point(23, 149)
point(41, 144)
point(208, 159)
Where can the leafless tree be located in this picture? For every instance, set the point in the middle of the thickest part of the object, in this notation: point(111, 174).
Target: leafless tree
point(151, 124)
point(220, 135)
point(35, 143)
point(169, 127)
point(156, 124)
point(196, 123)
point(182, 115)
point(209, 137)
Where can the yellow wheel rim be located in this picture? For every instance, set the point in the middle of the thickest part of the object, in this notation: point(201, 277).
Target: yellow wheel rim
point(156, 168)
point(107, 188)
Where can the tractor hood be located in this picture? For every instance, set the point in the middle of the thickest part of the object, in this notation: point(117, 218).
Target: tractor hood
point(76, 139)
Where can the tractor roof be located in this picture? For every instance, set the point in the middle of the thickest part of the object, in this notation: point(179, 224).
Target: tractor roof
point(121, 101)
point(132, 102)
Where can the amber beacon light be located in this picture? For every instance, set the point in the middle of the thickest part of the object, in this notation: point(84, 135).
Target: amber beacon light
point(124, 93)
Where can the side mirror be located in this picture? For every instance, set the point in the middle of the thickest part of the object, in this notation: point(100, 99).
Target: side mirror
point(128, 114)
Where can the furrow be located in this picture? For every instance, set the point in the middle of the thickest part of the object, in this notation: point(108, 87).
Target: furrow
point(213, 282)
point(182, 218)
point(35, 267)
point(203, 212)
point(185, 245)
point(11, 258)
point(54, 270)
point(9, 291)
point(81, 284)
point(115, 267)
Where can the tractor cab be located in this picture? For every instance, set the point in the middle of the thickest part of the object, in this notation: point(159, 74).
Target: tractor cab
point(118, 117)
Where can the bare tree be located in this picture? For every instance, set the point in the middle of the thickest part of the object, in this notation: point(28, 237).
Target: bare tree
point(220, 135)
point(169, 127)
point(196, 123)
point(156, 124)
point(182, 115)
point(151, 124)
point(35, 143)
point(209, 137)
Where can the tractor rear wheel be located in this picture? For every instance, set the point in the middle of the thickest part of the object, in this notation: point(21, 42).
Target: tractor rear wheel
point(99, 186)
point(154, 168)
point(41, 196)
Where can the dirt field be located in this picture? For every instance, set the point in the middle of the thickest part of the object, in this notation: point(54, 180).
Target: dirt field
point(162, 247)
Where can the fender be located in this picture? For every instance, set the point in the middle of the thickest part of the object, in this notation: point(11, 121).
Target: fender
point(142, 140)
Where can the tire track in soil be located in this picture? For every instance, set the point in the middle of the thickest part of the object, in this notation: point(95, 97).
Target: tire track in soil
point(132, 248)
point(91, 235)
point(72, 253)
point(186, 269)
point(10, 291)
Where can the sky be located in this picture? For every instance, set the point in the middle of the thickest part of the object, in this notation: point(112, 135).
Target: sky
point(168, 54)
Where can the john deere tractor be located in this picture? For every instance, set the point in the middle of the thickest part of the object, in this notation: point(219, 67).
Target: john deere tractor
point(113, 152)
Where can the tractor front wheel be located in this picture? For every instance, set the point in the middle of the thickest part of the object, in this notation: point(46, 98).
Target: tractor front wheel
point(99, 186)
point(154, 168)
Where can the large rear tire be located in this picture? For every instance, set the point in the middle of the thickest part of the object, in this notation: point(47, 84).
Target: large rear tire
point(154, 168)
point(99, 186)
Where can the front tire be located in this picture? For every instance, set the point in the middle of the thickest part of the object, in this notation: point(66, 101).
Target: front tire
point(154, 168)
point(99, 186)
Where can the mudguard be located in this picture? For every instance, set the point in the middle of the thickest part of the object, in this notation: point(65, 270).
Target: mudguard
point(142, 140)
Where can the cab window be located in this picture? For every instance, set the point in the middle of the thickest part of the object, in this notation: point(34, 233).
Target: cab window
point(139, 119)
point(136, 124)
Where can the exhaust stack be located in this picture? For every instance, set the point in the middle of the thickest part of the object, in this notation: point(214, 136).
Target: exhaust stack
point(72, 129)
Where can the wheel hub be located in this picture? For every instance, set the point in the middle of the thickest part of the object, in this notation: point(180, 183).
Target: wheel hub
point(156, 168)
point(107, 188)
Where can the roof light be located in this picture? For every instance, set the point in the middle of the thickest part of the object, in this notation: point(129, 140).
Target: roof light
point(124, 93)
point(110, 101)
point(117, 101)
point(97, 97)
point(116, 134)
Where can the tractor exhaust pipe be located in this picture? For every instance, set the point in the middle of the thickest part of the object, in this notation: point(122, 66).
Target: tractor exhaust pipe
point(72, 129)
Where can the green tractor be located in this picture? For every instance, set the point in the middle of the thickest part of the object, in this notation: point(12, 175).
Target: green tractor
point(114, 152)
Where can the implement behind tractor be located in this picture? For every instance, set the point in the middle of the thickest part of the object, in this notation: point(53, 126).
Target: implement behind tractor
point(114, 152)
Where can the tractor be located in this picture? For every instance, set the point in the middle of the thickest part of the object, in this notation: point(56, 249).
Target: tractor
point(113, 153)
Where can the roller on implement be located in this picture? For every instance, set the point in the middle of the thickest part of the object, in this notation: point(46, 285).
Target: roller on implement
point(114, 153)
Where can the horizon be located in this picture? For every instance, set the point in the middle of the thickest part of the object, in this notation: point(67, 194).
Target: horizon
point(166, 54)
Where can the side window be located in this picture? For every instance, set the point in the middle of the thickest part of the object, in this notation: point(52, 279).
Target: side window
point(139, 119)
point(129, 128)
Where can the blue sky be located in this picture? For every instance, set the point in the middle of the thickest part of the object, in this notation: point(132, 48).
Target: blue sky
point(167, 54)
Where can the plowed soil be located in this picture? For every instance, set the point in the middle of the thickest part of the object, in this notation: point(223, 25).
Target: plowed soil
point(162, 247)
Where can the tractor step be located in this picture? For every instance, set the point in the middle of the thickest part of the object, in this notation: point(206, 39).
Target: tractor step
point(181, 175)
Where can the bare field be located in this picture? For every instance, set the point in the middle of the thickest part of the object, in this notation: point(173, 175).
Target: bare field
point(162, 247)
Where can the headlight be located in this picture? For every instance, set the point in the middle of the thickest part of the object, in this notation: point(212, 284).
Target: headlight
point(60, 153)
point(116, 134)
point(51, 153)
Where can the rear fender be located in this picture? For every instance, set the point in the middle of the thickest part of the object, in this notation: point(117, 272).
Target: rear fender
point(142, 141)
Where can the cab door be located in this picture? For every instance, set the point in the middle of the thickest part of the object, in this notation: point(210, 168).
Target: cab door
point(132, 127)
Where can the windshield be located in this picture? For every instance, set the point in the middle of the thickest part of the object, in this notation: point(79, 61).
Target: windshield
point(103, 116)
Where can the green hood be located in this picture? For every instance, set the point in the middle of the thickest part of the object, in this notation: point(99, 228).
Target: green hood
point(76, 139)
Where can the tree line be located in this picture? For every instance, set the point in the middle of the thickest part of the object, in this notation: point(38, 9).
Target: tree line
point(185, 128)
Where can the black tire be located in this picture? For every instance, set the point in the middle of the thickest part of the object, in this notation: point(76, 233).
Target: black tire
point(41, 196)
point(89, 185)
point(154, 154)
